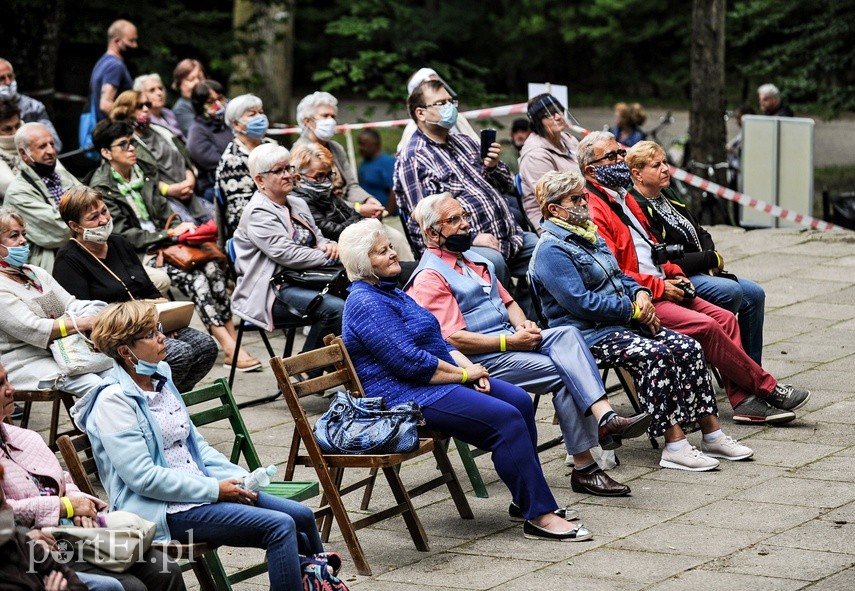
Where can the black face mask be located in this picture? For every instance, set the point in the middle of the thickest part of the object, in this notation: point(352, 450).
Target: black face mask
point(43, 170)
point(457, 242)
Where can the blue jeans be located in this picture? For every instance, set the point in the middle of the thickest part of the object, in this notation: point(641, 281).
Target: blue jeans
point(326, 318)
point(501, 422)
point(515, 266)
point(744, 298)
point(284, 528)
point(564, 366)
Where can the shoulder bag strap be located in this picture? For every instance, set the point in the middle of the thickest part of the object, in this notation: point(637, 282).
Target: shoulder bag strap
point(109, 270)
point(618, 211)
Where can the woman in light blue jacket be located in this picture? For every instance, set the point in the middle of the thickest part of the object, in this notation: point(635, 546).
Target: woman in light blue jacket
point(153, 462)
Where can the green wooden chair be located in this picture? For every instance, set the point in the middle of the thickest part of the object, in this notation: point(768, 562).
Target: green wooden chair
point(219, 405)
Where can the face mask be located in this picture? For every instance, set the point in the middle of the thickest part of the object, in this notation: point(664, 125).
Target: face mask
point(257, 126)
point(144, 368)
point(388, 283)
point(325, 129)
point(9, 91)
point(7, 525)
point(99, 234)
point(576, 214)
point(457, 242)
point(613, 176)
point(7, 143)
point(215, 111)
point(447, 115)
point(143, 120)
point(43, 169)
point(18, 255)
point(316, 190)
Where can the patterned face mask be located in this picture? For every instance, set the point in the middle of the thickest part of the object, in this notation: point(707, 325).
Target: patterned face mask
point(613, 176)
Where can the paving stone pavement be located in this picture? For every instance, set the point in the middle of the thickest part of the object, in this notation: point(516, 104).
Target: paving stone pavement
point(784, 520)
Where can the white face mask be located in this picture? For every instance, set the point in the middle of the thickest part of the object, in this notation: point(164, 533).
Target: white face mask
point(9, 91)
point(99, 234)
point(325, 129)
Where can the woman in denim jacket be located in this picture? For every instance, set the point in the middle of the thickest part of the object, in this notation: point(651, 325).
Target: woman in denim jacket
point(619, 323)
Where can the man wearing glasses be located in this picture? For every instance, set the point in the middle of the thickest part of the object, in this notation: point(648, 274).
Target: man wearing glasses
point(754, 394)
point(437, 161)
point(36, 190)
point(479, 317)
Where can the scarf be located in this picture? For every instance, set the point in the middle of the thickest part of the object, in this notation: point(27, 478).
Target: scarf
point(53, 182)
point(131, 188)
point(589, 232)
point(25, 272)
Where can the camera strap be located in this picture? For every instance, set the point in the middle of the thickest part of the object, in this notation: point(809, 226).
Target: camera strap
point(618, 211)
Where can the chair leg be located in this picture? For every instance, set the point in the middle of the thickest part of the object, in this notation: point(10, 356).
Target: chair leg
point(341, 517)
point(56, 404)
point(235, 354)
point(468, 459)
point(632, 394)
point(25, 418)
point(414, 524)
point(218, 572)
point(447, 470)
point(266, 342)
point(290, 335)
point(369, 489)
point(261, 399)
point(203, 575)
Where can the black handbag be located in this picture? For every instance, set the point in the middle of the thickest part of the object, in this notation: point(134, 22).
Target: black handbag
point(330, 280)
point(363, 426)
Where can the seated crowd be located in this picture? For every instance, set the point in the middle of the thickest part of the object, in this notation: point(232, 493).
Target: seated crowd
point(502, 302)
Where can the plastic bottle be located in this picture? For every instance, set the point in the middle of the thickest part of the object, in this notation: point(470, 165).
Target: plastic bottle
point(259, 478)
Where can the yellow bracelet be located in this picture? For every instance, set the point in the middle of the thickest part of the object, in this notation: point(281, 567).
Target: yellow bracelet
point(69, 508)
point(164, 189)
point(357, 205)
point(465, 376)
point(63, 331)
point(636, 310)
point(717, 258)
point(503, 343)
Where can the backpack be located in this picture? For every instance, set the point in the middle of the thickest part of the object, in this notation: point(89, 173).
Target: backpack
point(316, 574)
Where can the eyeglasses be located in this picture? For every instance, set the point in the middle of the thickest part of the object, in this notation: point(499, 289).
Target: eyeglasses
point(158, 330)
point(125, 146)
point(321, 176)
point(456, 219)
point(285, 170)
point(611, 156)
point(577, 198)
point(146, 104)
point(451, 101)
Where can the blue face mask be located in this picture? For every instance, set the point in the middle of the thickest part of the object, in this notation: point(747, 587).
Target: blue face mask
point(144, 368)
point(257, 126)
point(387, 283)
point(613, 176)
point(18, 255)
point(447, 115)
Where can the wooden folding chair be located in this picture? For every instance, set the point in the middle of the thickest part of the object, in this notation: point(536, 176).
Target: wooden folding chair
point(330, 468)
point(219, 405)
point(58, 399)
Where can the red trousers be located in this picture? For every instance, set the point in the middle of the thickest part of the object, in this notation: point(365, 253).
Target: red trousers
point(717, 331)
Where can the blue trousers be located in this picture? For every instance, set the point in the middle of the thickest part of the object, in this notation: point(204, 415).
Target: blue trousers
point(564, 366)
point(326, 318)
point(501, 422)
point(274, 524)
point(744, 298)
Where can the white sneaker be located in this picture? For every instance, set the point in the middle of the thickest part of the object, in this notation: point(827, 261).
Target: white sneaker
point(687, 457)
point(726, 447)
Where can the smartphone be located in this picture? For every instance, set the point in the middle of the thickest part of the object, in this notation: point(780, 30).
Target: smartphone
point(488, 138)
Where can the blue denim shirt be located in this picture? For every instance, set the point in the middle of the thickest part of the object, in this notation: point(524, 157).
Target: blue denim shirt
point(580, 284)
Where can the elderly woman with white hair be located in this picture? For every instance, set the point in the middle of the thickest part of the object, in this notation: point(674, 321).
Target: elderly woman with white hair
point(276, 232)
point(399, 353)
point(245, 116)
point(316, 115)
point(152, 86)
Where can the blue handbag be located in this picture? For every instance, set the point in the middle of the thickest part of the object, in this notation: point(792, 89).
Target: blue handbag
point(364, 426)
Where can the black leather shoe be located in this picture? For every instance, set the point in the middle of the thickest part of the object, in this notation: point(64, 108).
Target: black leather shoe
point(577, 534)
point(599, 483)
point(620, 428)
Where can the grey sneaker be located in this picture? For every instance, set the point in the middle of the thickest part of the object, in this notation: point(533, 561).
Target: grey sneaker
point(788, 397)
point(757, 410)
point(689, 458)
point(726, 447)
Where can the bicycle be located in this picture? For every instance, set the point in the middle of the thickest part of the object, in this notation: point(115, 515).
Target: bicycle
point(676, 150)
point(707, 207)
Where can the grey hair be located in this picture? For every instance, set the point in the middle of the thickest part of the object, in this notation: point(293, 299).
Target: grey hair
point(554, 186)
point(306, 108)
point(139, 81)
point(240, 105)
point(8, 63)
point(24, 133)
point(354, 247)
point(426, 213)
point(585, 152)
point(769, 90)
point(266, 156)
point(6, 214)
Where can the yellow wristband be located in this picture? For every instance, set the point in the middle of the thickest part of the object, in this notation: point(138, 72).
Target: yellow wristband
point(503, 343)
point(69, 508)
point(164, 189)
point(357, 205)
point(718, 258)
point(63, 331)
point(465, 376)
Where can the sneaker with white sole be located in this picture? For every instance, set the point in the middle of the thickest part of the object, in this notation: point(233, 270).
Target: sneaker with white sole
point(726, 447)
point(689, 458)
point(788, 397)
point(757, 410)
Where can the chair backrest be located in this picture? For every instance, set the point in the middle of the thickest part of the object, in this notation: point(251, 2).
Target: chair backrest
point(83, 469)
point(224, 409)
point(535, 301)
point(230, 250)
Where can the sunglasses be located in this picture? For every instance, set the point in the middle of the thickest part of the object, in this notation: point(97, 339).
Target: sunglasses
point(577, 198)
point(146, 104)
point(611, 156)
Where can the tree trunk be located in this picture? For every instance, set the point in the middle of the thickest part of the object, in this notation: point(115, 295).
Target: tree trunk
point(265, 34)
point(706, 123)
